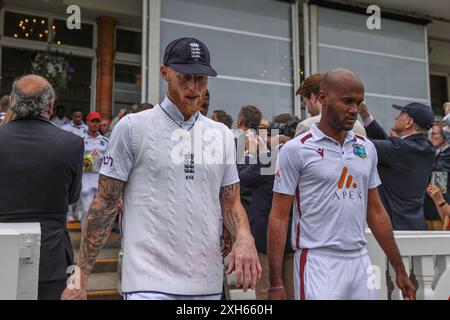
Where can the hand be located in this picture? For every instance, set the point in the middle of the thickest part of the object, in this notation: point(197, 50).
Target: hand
point(364, 110)
point(79, 290)
point(244, 261)
point(277, 295)
point(406, 286)
point(227, 242)
point(251, 142)
point(435, 194)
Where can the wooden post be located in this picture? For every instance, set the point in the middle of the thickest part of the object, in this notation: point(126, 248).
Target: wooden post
point(105, 64)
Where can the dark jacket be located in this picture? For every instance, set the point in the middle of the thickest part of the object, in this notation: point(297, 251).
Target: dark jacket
point(40, 175)
point(441, 163)
point(258, 210)
point(404, 166)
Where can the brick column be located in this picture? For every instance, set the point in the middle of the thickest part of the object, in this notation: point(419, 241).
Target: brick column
point(105, 64)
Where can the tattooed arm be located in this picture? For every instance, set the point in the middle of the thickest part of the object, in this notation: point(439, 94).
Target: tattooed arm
point(243, 258)
point(99, 222)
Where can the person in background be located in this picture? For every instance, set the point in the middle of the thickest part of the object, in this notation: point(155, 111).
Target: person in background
point(205, 105)
point(122, 113)
point(134, 108)
point(41, 171)
point(253, 177)
point(404, 163)
point(223, 117)
point(217, 113)
point(95, 146)
point(441, 163)
point(248, 122)
point(145, 106)
point(442, 206)
point(76, 126)
point(105, 127)
point(9, 116)
point(309, 92)
point(4, 107)
point(60, 119)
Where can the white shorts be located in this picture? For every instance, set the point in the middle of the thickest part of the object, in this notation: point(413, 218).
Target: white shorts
point(164, 296)
point(329, 275)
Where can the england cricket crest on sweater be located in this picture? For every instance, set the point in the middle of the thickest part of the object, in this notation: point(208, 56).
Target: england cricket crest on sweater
point(189, 166)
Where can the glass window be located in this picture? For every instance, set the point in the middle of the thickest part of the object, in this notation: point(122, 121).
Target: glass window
point(127, 86)
point(254, 70)
point(17, 62)
point(24, 26)
point(128, 41)
point(80, 38)
point(439, 93)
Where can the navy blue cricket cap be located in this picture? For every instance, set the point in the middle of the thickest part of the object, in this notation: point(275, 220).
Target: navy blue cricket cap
point(189, 55)
point(422, 114)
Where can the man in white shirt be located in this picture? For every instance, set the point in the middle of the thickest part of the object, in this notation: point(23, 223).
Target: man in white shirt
point(60, 119)
point(95, 146)
point(172, 205)
point(331, 173)
point(76, 126)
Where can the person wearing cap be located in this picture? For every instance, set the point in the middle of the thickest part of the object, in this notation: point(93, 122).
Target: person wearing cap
point(95, 146)
point(404, 163)
point(173, 201)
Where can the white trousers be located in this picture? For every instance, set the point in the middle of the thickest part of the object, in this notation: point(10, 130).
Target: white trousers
point(320, 275)
point(164, 296)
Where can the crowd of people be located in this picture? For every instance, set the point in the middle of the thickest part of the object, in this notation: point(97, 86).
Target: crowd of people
point(332, 175)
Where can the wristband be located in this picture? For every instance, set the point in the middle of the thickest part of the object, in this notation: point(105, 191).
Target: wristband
point(442, 204)
point(277, 288)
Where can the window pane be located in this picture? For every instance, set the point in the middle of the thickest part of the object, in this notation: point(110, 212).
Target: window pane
point(22, 26)
point(128, 41)
point(439, 94)
point(17, 62)
point(80, 38)
point(127, 86)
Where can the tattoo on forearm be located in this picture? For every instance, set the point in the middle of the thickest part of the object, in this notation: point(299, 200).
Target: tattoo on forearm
point(99, 221)
point(231, 216)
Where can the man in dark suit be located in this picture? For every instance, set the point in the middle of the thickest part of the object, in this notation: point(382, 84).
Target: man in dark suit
point(404, 163)
point(41, 170)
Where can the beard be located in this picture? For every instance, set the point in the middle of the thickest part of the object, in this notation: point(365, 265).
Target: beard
point(187, 108)
point(336, 122)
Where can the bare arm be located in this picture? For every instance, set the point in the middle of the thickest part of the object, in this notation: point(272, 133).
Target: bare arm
point(380, 224)
point(277, 231)
point(438, 198)
point(244, 258)
point(99, 222)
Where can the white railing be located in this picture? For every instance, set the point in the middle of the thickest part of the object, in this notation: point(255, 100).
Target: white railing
point(425, 254)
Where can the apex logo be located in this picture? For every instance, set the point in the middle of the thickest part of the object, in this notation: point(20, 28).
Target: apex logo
point(350, 184)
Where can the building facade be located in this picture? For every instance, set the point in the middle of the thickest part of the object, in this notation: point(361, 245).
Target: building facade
point(262, 49)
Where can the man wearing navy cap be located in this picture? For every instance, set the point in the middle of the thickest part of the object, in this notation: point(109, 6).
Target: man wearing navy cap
point(404, 163)
point(174, 196)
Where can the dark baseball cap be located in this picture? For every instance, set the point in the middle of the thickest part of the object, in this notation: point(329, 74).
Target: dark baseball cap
point(189, 55)
point(422, 114)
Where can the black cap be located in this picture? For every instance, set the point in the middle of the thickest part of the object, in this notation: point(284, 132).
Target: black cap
point(189, 55)
point(422, 114)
